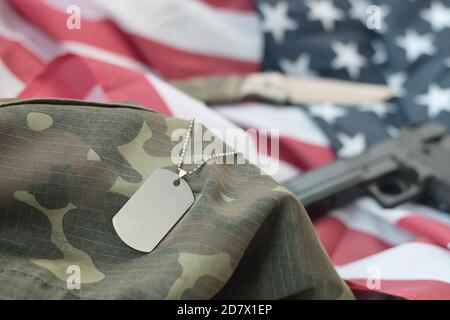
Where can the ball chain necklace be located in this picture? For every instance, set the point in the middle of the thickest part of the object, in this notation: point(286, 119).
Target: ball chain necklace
point(181, 172)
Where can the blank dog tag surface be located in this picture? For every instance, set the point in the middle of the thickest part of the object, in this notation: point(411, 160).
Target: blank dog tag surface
point(153, 210)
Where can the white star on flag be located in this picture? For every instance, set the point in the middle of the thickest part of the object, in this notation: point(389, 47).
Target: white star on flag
point(327, 111)
point(416, 45)
point(380, 55)
point(358, 10)
point(276, 20)
point(348, 57)
point(381, 109)
point(325, 12)
point(438, 16)
point(436, 99)
point(396, 82)
point(299, 67)
point(351, 146)
point(392, 131)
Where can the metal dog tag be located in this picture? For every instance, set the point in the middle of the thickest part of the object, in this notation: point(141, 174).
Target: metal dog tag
point(153, 210)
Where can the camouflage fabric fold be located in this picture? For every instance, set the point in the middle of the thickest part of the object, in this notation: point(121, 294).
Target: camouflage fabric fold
point(66, 167)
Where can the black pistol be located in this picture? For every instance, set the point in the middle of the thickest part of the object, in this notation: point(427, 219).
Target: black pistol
point(415, 166)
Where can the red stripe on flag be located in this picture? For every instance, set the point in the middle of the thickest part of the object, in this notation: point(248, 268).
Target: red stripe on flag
point(121, 84)
point(431, 229)
point(241, 5)
point(19, 60)
point(173, 63)
point(167, 60)
point(65, 77)
point(103, 34)
point(304, 155)
point(345, 245)
point(118, 84)
point(408, 289)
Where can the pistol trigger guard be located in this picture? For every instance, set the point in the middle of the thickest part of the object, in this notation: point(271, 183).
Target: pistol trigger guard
point(391, 200)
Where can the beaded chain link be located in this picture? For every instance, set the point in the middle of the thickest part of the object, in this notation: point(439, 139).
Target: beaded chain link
point(181, 172)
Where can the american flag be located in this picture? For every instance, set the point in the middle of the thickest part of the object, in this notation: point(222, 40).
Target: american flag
point(127, 50)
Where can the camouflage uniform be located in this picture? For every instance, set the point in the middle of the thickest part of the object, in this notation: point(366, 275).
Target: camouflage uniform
point(67, 167)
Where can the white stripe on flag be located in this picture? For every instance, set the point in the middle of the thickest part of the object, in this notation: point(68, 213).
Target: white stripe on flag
point(411, 261)
point(291, 121)
point(363, 215)
point(181, 24)
point(96, 94)
point(408, 209)
point(103, 55)
point(15, 28)
point(10, 85)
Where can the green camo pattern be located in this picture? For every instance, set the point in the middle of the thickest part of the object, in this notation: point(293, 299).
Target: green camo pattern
point(67, 167)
